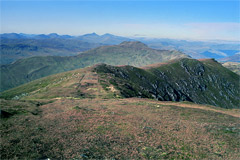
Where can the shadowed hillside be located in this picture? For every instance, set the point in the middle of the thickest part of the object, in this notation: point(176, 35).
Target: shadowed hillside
point(126, 53)
point(14, 49)
point(203, 82)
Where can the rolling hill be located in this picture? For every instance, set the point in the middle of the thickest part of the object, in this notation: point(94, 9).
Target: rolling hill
point(103, 39)
point(196, 49)
point(126, 53)
point(85, 113)
point(234, 58)
point(18, 48)
point(197, 81)
point(181, 80)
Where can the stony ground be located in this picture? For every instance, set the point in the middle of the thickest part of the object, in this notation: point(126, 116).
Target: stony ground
point(118, 129)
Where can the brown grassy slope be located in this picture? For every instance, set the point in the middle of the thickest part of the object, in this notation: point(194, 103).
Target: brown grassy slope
point(80, 83)
point(233, 66)
point(120, 129)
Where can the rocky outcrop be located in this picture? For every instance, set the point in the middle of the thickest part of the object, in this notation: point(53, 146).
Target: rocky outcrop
point(202, 82)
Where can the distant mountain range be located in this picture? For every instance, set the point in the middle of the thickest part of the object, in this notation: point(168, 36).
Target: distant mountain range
point(91, 37)
point(234, 58)
point(196, 49)
point(16, 46)
point(103, 39)
point(126, 53)
point(14, 49)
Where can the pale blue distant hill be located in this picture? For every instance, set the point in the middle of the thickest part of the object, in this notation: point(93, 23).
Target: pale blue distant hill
point(67, 45)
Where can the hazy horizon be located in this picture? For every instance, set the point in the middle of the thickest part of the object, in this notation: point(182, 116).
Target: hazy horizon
point(137, 37)
point(189, 20)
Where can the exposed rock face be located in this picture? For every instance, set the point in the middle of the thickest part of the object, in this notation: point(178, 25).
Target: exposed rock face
point(203, 82)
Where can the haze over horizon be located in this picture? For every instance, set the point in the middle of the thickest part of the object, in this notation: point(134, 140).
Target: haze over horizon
point(197, 20)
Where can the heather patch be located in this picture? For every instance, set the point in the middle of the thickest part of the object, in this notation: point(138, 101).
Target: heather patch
point(119, 129)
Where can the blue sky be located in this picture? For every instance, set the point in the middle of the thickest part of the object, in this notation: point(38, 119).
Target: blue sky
point(160, 19)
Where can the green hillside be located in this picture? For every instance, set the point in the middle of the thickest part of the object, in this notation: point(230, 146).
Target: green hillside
point(126, 53)
point(88, 113)
point(202, 82)
point(14, 49)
